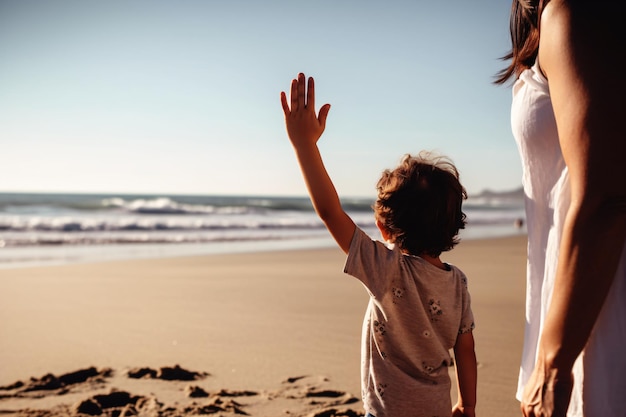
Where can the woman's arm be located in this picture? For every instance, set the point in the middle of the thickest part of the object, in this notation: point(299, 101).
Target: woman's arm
point(581, 53)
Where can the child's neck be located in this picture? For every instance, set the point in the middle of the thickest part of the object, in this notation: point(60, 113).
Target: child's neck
point(434, 260)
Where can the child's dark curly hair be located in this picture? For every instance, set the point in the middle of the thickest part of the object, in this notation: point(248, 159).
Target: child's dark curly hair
point(419, 204)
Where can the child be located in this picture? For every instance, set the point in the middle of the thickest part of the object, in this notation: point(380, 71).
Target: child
point(419, 306)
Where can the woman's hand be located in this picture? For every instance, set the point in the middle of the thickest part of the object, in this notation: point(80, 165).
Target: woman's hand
point(547, 393)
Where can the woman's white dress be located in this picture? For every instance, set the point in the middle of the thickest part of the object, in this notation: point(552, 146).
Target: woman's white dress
point(600, 371)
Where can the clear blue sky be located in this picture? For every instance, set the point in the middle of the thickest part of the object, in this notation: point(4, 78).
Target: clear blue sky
point(183, 96)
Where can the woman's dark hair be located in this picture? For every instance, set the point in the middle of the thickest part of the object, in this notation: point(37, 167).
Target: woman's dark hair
point(524, 28)
point(419, 204)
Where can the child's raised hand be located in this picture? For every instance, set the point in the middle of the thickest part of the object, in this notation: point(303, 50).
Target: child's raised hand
point(304, 127)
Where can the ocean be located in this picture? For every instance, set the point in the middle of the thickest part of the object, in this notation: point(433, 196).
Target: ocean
point(44, 229)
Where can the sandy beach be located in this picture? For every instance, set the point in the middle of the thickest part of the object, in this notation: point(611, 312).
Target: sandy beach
point(262, 334)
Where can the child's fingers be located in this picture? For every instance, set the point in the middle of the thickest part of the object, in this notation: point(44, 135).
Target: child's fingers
point(294, 95)
point(283, 101)
point(323, 115)
point(310, 94)
point(300, 90)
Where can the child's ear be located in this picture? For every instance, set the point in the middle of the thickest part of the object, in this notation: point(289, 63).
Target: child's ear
point(383, 231)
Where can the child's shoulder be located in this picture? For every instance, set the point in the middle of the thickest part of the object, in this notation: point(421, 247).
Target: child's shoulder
point(459, 274)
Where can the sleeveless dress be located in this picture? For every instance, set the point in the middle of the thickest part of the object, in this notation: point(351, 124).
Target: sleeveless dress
point(600, 370)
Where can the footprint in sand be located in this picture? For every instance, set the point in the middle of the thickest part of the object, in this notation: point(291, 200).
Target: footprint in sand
point(300, 396)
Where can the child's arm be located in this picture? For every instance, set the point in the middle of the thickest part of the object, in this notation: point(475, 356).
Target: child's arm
point(466, 375)
point(304, 128)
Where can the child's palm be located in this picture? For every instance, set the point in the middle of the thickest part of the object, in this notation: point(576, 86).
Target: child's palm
point(303, 125)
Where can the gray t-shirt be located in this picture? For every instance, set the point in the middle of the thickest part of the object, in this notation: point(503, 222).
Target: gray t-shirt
point(415, 313)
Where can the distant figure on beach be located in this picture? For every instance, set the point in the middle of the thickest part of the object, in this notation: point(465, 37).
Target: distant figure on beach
point(568, 110)
point(419, 306)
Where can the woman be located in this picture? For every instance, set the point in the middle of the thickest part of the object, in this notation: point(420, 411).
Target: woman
point(568, 118)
